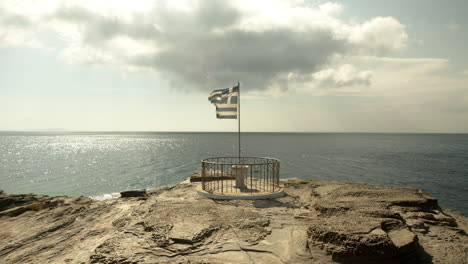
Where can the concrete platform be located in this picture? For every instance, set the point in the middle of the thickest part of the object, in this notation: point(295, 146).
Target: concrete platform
point(241, 195)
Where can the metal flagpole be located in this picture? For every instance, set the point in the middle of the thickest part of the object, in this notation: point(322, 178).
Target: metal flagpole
point(238, 119)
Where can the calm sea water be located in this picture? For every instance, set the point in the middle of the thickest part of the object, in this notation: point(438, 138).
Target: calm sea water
point(101, 163)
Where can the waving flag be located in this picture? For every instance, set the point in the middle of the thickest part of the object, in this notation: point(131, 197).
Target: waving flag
point(225, 101)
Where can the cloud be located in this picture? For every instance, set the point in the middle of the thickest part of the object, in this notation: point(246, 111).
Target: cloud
point(373, 76)
point(15, 30)
point(344, 76)
point(208, 44)
point(405, 95)
point(380, 36)
point(452, 26)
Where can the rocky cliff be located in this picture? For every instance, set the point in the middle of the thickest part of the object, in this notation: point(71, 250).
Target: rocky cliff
point(317, 222)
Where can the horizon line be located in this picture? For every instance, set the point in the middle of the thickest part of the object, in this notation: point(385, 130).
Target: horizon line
point(264, 132)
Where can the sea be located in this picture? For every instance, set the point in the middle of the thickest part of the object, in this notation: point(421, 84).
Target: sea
point(101, 164)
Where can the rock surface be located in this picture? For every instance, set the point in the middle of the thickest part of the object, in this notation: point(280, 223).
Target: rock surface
point(317, 222)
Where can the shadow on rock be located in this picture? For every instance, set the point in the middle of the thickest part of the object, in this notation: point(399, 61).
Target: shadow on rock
point(272, 203)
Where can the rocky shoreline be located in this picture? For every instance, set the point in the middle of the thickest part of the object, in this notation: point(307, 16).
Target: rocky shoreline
point(316, 222)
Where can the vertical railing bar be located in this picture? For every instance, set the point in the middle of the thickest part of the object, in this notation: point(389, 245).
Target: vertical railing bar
point(210, 175)
point(256, 175)
point(270, 172)
point(215, 174)
point(263, 176)
point(230, 177)
point(268, 176)
point(273, 171)
point(222, 175)
point(277, 174)
point(251, 178)
point(252, 173)
point(274, 177)
point(220, 182)
point(203, 174)
point(250, 166)
point(231, 174)
point(237, 175)
point(279, 168)
point(257, 180)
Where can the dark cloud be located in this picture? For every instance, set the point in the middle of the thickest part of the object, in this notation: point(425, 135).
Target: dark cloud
point(203, 46)
point(193, 55)
point(215, 13)
point(98, 28)
point(13, 28)
point(13, 20)
point(254, 58)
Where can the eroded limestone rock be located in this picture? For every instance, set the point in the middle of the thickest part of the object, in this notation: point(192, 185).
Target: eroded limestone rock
point(317, 222)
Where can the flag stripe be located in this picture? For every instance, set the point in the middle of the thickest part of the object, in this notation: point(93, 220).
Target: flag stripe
point(226, 114)
point(226, 105)
point(226, 117)
point(226, 109)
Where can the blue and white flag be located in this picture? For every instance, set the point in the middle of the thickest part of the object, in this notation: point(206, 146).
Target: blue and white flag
point(225, 101)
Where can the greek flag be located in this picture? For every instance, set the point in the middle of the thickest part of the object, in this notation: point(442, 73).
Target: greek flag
point(225, 101)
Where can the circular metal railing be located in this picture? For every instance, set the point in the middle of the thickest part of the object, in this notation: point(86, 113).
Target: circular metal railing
point(244, 175)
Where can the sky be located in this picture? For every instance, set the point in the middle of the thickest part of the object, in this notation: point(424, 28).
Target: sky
point(304, 66)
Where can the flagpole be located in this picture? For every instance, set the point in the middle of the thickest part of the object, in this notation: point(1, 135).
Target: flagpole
point(238, 119)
